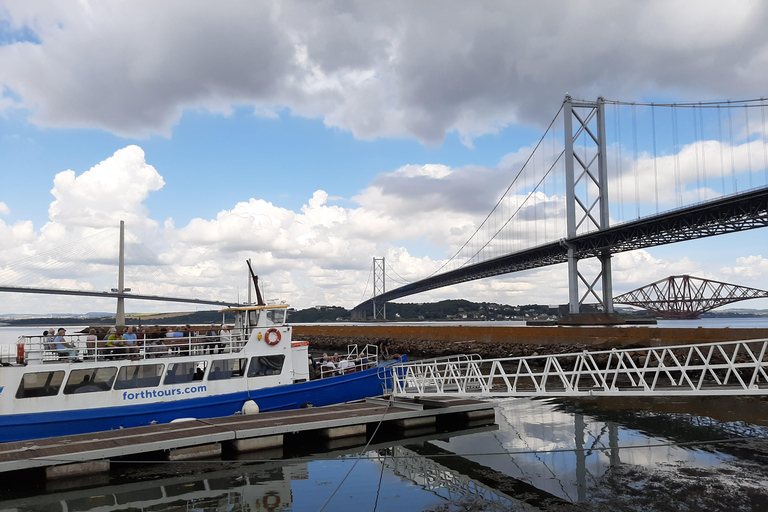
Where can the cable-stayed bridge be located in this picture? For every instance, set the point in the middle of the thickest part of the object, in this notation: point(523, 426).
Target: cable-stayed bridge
point(608, 177)
point(94, 256)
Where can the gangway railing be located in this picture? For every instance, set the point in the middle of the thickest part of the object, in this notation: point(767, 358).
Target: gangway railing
point(724, 368)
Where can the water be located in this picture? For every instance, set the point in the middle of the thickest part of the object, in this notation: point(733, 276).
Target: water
point(545, 455)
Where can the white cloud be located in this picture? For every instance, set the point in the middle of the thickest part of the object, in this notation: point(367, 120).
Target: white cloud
point(414, 217)
point(111, 191)
point(376, 70)
point(749, 269)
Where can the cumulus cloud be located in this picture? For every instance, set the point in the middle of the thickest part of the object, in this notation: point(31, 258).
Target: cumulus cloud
point(110, 191)
point(377, 70)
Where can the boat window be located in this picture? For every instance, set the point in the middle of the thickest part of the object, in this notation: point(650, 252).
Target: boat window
point(90, 380)
point(227, 369)
point(266, 365)
point(40, 384)
point(276, 316)
point(139, 376)
point(178, 373)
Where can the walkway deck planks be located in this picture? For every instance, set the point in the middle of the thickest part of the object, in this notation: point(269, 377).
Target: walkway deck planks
point(54, 451)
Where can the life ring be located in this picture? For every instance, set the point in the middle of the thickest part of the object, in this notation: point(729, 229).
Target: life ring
point(20, 353)
point(269, 340)
point(274, 504)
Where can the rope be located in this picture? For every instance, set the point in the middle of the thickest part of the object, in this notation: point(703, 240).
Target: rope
point(359, 457)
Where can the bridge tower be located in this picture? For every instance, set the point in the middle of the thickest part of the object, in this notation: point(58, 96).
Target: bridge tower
point(120, 314)
point(379, 287)
point(586, 184)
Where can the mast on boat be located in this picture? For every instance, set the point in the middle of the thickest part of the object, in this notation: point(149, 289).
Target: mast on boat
point(259, 299)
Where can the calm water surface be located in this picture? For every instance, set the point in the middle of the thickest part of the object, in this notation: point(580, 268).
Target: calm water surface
point(543, 455)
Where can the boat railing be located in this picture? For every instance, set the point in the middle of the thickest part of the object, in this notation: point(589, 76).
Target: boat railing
point(356, 360)
point(42, 349)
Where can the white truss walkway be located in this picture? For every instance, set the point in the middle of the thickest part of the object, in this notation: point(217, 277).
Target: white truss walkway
point(726, 368)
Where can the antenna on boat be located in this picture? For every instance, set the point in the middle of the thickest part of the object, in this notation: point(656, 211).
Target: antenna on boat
point(259, 299)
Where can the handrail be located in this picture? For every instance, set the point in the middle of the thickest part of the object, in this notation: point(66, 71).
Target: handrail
point(41, 349)
point(732, 368)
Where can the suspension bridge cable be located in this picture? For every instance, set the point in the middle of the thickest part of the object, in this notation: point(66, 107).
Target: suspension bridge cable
point(751, 103)
point(749, 146)
point(398, 275)
point(703, 154)
point(520, 206)
point(507, 190)
point(696, 146)
point(634, 161)
point(733, 158)
point(618, 158)
point(765, 147)
point(366, 286)
point(676, 159)
point(722, 157)
point(655, 157)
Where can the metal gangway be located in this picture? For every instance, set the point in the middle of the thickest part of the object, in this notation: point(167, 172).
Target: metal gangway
point(723, 368)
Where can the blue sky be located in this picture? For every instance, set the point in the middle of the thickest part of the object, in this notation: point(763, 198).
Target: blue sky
point(313, 137)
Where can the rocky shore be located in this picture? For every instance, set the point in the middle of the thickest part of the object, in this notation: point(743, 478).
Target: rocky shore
point(420, 349)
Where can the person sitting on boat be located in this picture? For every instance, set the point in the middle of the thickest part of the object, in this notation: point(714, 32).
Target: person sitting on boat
point(346, 366)
point(212, 338)
point(226, 338)
point(63, 347)
point(129, 338)
point(115, 342)
point(328, 368)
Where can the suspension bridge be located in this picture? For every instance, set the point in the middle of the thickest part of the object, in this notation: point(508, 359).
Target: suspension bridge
point(673, 171)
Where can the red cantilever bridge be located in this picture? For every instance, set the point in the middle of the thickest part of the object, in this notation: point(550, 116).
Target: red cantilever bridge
point(687, 296)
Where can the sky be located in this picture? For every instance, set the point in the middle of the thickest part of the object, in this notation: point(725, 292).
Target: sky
point(312, 137)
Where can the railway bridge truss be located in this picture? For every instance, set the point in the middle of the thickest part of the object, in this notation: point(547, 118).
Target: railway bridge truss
point(723, 368)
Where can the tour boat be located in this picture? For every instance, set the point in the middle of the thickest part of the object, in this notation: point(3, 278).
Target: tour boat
point(255, 366)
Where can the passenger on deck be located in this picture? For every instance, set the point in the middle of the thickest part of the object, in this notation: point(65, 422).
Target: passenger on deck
point(328, 368)
point(226, 338)
point(212, 345)
point(346, 366)
point(129, 338)
point(115, 343)
point(90, 342)
point(63, 347)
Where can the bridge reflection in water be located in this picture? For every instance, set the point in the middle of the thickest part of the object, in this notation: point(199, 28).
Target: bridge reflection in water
point(545, 455)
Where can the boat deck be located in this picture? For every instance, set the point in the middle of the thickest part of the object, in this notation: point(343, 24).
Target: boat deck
point(100, 446)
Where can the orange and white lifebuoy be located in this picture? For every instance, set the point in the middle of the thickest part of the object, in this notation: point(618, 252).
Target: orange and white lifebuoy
point(272, 340)
point(20, 354)
point(271, 500)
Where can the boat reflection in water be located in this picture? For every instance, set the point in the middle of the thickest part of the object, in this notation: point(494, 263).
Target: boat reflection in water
point(542, 455)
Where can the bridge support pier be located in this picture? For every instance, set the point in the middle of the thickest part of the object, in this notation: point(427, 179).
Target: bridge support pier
point(586, 175)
